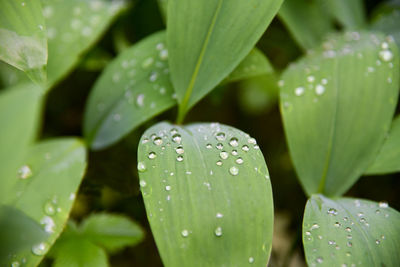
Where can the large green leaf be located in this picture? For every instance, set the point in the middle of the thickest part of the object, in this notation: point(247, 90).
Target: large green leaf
point(18, 232)
point(389, 24)
point(45, 189)
point(136, 87)
point(307, 21)
point(326, 103)
point(207, 194)
point(111, 232)
point(23, 37)
point(387, 160)
point(19, 115)
point(350, 232)
point(349, 13)
point(73, 26)
point(207, 40)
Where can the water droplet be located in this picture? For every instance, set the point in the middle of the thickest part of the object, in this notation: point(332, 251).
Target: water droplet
point(332, 211)
point(152, 155)
point(218, 231)
point(168, 188)
point(40, 249)
point(383, 204)
point(208, 146)
point(158, 141)
point(320, 260)
point(386, 55)
point(49, 208)
point(24, 172)
point(48, 223)
point(163, 54)
point(185, 233)
point(348, 254)
point(251, 260)
point(324, 81)
point(239, 161)
point(219, 163)
point(299, 91)
point(219, 146)
point(349, 244)
point(245, 148)
point(234, 152)
point(319, 89)
point(147, 62)
point(252, 141)
point(308, 233)
point(220, 136)
point(377, 241)
point(177, 138)
point(219, 215)
point(348, 229)
point(72, 196)
point(337, 224)
point(179, 158)
point(153, 76)
point(15, 264)
point(179, 150)
point(310, 79)
point(234, 142)
point(234, 170)
point(314, 226)
point(223, 155)
point(140, 100)
point(142, 183)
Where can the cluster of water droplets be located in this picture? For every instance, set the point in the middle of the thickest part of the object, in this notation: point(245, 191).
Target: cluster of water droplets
point(337, 232)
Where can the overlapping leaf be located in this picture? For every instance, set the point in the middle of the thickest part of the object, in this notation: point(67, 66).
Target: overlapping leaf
point(136, 86)
point(207, 194)
point(207, 40)
point(326, 103)
point(23, 37)
point(45, 188)
point(350, 232)
point(389, 24)
point(349, 13)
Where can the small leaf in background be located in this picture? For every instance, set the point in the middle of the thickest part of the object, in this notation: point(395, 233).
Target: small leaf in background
point(23, 37)
point(387, 160)
point(326, 103)
point(349, 13)
point(388, 23)
point(204, 35)
point(207, 194)
point(133, 88)
point(307, 21)
point(111, 232)
point(18, 232)
point(45, 189)
point(350, 232)
point(73, 26)
point(163, 6)
point(86, 244)
point(136, 87)
point(19, 115)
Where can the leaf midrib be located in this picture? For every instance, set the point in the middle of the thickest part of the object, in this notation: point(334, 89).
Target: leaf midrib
point(199, 62)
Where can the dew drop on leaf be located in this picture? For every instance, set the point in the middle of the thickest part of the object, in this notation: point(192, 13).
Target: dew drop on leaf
point(218, 231)
point(24, 172)
point(40, 249)
point(234, 170)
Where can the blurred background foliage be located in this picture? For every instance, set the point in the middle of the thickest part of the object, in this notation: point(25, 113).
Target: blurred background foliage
point(111, 182)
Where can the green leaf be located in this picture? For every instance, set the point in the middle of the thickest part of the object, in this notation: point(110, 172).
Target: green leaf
point(207, 194)
point(112, 232)
point(388, 24)
point(208, 39)
point(307, 21)
point(163, 6)
point(19, 115)
point(133, 88)
point(79, 252)
point(349, 13)
point(350, 232)
point(10, 76)
point(326, 103)
point(136, 87)
point(46, 188)
point(73, 26)
point(19, 232)
point(23, 37)
point(387, 160)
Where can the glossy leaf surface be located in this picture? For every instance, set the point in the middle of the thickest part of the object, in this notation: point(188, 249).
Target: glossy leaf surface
point(350, 232)
point(326, 103)
point(23, 37)
point(207, 40)
point(207, 191)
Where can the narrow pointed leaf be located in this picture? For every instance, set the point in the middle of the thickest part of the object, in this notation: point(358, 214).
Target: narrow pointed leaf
point(326, 103)
point(207, 40)
point(73, 26)
point(349, 13)
point(307, 21)
point(46, 187)
point(23, 37)
point(111, 232)
point(350, 232)
point(19, 115)
point(136, 87)
point(389, 24)
point(387, 160)
point(207, 194)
